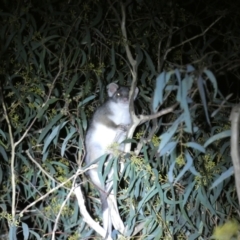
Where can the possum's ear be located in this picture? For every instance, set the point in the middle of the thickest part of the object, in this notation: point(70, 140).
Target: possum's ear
point(136, 92)
point(112, 88)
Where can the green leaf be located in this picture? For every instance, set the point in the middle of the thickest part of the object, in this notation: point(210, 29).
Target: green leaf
point(158, 93)
point(37, 236)
point(167, 136)
point(203, 97)
point(205, 201)
point(216, 137)
point(75, 78)
point(169, 147)
point(190, 68)
point(186, 167)
point(45, 107)
point(50, 138)
point(161, 82)
point(69, 135)
point(100, 170)
point(3, 134)
point(25, 231)
point(86, 100)
point(222, 177)
point(195, 146)
point(139, 54)
point(12, 232)
point(213, 80)
point(150, 63)
point(188, 191)
point(153, 191)
point(49, 126)
point(3, 153)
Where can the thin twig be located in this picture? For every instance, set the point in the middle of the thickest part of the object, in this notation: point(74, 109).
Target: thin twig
point(134, 69)
point(145, 118)
point(79, 172)
point(62, 206)
point(40, 167)
point(33, 121)
point(190, 39)
point(86, 217)
point(13, 147)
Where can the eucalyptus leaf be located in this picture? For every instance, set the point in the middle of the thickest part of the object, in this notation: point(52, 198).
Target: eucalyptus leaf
point(153, 191)
point(187, 166)
point(213, 80)
point(25, 231)
point(228, 173)
point(49, 126)
point(216, 137)
point(167, 136)
point(203, 97)
point(196, 146)
point(70, 134)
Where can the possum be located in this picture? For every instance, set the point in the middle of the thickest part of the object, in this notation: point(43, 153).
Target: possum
point(109, 124)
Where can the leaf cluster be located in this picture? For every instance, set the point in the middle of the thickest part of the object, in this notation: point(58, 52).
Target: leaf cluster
point(57, 57)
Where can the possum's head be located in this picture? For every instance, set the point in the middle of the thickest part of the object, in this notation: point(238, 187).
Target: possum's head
point(119, 94)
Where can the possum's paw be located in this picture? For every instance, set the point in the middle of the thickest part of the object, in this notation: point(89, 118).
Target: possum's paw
point(123, 128)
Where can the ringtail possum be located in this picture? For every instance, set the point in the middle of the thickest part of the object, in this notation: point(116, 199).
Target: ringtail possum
point(109, 124)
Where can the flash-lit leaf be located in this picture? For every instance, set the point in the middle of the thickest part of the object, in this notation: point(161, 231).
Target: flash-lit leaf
point(186, 167)
point(228, 173)
point(161, 82)
point(213, 80)
point(25, 231)
point(64, 144)
point(226, 231)
point(3, 153)
point(166, 137)
point(169, 147)
point(72, 83)
point(203, 97)
point(190, 68)
point(216, 137)
point(150, 63)
point(196, 146)
point(2, 134)
point(49, 126)
point(170, 172)
point(86, 100)
point(52, 135)
point(147, 197)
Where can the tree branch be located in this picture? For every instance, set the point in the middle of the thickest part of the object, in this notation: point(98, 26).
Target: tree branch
point(235, 121)
point(40, 167)
point(49, 192)
point(49, 94)
point(145, 118)
point(87, 218)
point(124, 33)
point(134, 69)
point(13, 147)
point(61, 208)
point(79, 172)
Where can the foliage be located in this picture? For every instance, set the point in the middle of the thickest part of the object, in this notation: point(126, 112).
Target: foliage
point(227, 230)
point(56, 59)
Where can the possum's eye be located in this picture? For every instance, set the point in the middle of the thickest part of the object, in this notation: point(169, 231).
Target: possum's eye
point(118, 95)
